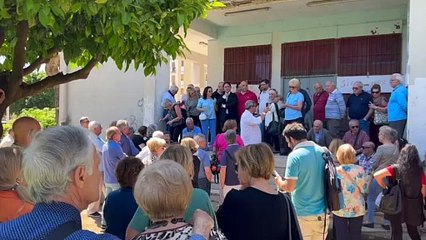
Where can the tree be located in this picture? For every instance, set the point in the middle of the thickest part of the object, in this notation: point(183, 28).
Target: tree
point(88, 32)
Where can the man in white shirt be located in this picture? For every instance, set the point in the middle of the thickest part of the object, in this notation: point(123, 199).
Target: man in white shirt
point(250, 130)
point(263, 103)
point(95, 129)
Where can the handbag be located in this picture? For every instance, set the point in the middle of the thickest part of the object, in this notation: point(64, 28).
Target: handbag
point(380, 118)
point(391, 201)
point(202, 116)
point(274, 127)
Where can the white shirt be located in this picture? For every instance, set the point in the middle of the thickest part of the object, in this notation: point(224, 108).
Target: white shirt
point(250, 130)
point(272, 114)
point(263, 99)
point(145, 152)
point(7, 141)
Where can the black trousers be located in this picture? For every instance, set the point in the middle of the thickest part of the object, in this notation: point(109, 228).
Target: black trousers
point(396, 227)
point(347, 228)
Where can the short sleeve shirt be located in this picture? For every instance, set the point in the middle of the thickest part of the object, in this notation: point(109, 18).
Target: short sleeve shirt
point(293, 99)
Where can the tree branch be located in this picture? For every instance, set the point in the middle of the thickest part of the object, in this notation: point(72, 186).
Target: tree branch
point(19, 54)
point(42, 59)
point(60, 78)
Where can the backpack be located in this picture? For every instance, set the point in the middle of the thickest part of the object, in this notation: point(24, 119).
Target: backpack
point(332, 183)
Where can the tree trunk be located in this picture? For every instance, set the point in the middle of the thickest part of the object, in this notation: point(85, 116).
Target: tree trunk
point(2, 112)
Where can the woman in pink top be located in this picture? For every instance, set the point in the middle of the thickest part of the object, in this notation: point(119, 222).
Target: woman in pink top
point(220, 144)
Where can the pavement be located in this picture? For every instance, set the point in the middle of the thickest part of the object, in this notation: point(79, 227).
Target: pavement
point(377, 233)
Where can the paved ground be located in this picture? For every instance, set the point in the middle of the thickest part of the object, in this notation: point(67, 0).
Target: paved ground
point(378, 233)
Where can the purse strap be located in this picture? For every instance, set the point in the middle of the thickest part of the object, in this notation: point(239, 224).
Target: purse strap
point(63, 231)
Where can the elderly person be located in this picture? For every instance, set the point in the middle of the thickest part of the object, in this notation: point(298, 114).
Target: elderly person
point(204, 181)
point(355, 136)
point(293, 108)
point(273, 115)
point(24, 128)
point(145, 152)
point(320, 101)
point(228, 173)
point(358, 106)
point(120, 206)
point(199, 198)
point(347, 221)
point(206, 105)
point(198, 168)
point(334, 109)
point(220, 145)
point(378, 109)
point(413, 186)
point(60, 195)
point(397, 109)
point(84, 122)
point(365, 158)
point(126, 142)
point(112, 153)
point(191, 129)
point(243, 96)
point(250, 130)
point(163, 191)
point(191, 105)
point(385, 156)
point(175, 119)
point(14, 198)
point(156, 147)
point(319, 134)
point(257, 210)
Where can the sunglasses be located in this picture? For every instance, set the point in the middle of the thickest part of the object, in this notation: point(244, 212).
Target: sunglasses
point(375, 92)
point(354, 127)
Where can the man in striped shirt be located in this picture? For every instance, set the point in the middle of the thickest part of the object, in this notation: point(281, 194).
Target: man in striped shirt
point(334, 109)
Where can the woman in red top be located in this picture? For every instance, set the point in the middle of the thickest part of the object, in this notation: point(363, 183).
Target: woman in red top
point(14, 198)
point(413, 188)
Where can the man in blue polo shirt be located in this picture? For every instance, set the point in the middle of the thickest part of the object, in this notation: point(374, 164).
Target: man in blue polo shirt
point(304, 178)
point(358, 108)
point(191, 130)
point(397, 107)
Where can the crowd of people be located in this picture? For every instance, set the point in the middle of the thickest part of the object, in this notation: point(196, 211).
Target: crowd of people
point(152, 184)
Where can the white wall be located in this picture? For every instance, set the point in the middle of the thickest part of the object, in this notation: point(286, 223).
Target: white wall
point(109, 94)
point(416, 74)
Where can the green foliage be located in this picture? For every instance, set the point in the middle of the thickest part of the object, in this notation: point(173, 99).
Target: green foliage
point(128, 31)
point(46, 116)
point(45, 99)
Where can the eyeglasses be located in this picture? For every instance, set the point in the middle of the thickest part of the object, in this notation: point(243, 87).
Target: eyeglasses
point(355, 88)
point(291, 87)
point(364, 147)
point(355, 127)
point(375, 92)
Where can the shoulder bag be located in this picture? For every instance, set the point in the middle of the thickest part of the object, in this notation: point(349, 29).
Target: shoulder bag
point(391, 201)
point(274, 126)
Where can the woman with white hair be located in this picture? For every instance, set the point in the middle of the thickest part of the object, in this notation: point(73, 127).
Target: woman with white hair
point(61, 168)
point(163, 190)
point(293, 107)
point(156, 147)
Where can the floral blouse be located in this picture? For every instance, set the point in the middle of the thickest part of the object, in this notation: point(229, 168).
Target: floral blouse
point(353, 181)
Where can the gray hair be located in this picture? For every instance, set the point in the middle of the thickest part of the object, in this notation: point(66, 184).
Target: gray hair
point(352, 121)
point(122, 124)
point(199, 138)
point(249, 104)
point(173, 88)
point(158, 134)
point(52, 157)
point(397, 76)
point(359, 84)
point(295, 82)
point(332, 83)
point(166, 101)
point(93, 125)
point(189, 119)
point(389, 133)
point(230, 136)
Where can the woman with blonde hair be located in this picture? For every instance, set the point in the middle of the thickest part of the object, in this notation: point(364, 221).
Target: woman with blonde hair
point(156, 147)
point(347, 221)
point(257, 210)
point(199, 198)
point(14, 197)
point(200, 177)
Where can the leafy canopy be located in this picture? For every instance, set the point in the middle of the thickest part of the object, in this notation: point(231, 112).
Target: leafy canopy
point(138, 31)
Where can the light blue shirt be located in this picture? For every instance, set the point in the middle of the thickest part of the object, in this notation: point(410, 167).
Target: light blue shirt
point(306, 165)
point(293, 99)
point(208, 106)
point(112, 153)
point(335, 107)
point(167, 95)
point(205, 162)
point(188, 133)
point(397, 106)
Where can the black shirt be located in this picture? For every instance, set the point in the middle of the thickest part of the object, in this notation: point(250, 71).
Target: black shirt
point(254, 214)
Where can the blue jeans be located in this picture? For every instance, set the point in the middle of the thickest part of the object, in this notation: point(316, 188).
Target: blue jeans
point(365, 126)
point(375, 189)
point(205, 126)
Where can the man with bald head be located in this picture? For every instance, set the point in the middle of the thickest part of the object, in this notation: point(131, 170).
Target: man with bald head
point(24, 128)
point(358, 106)
point(319, 135)
point(243, 96)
